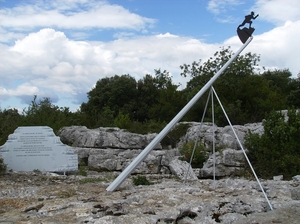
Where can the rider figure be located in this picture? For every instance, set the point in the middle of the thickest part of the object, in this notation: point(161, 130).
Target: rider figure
point(248, 19)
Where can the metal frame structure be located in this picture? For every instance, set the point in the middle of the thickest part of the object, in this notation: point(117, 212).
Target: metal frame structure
point(213, 93)
point(119, 180)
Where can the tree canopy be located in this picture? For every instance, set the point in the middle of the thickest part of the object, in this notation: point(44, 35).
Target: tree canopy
point(149, 98)
point(246, 94)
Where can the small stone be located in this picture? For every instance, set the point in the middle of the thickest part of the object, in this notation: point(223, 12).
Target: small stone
point(278, 178)
point(295, 193)
point(34, 207)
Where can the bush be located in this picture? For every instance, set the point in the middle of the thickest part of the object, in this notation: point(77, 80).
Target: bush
point(277, 151)
point(2, 166)
point(122, 121)
point(140, 180)
point(146, 127)
point(82, 169)
point(173, 137)
point(200, 154)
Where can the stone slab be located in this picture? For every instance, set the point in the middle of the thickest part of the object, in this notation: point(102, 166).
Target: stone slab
point(37, 148)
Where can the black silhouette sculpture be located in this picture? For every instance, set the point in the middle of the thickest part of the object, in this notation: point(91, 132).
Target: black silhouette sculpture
point(245, 33)
point(248, 19)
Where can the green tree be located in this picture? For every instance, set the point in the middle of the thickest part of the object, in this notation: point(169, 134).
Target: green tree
point(147, 97)
point(279, 80)
point(245, 95)
point(153, 98)
point(169, 100)
point(44, 113)
point(254, 98)
point(293, 98)
point(117, 93)
point(9, 121)
point(38, 113)
point(288, 88)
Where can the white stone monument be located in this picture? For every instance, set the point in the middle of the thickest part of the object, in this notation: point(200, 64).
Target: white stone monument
point(37, 148)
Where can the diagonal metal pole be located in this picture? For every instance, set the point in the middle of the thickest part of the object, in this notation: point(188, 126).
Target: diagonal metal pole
point(240, 144)
point(119, 180)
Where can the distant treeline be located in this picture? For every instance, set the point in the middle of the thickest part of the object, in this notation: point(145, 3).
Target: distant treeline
point(146, 105)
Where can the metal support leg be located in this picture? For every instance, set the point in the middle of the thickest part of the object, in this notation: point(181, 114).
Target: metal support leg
point(213, 135)
point(240, 144)
point(197, 137)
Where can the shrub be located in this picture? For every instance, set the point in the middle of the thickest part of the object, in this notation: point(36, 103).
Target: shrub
point(2, 166)
point(122, 121)
point(140, 180)
point(91, 180)
point(82, 169)
point(200, 154)
point(277, 151)
point(150, 126)
point(173, 137)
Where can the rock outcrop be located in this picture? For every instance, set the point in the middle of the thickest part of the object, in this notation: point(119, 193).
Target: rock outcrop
point(114, 138)
point(180, 169)
point(224, 136)
point(36, 197)
point(112, 149)
point(227, 162)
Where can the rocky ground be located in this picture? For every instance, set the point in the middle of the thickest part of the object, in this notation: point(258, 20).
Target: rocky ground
point(35, 197)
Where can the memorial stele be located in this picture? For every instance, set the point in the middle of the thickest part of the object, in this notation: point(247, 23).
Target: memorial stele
point(37, 148)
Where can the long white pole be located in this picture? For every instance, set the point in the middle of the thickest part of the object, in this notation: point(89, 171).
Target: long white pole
point(213, 134)
point(119, 180)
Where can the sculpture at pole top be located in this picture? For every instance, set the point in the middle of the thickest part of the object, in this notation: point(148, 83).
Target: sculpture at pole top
point(245, 33)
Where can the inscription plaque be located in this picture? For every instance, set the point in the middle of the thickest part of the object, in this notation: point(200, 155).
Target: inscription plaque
point(37, 147)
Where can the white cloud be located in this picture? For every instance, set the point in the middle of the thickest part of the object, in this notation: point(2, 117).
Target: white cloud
point(23, 89)
point(219, 7)
point(278, 11)
point(95, 14)
point(278, 48)
point(73, 15)
point(49, 61)
point(223, 9)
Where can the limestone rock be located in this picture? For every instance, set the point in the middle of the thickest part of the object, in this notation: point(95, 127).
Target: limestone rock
point(224, 136)
point(113, 149)
point(296, 178)
point(227, 162)
point(180, 168)
point(81, 136)
point(295, 192)
point(118, 159)
point(279, 177)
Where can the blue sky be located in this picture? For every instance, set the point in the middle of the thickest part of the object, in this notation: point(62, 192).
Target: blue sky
point(59, 49)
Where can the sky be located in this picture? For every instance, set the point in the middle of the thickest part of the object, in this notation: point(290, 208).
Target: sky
point(59, 49)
